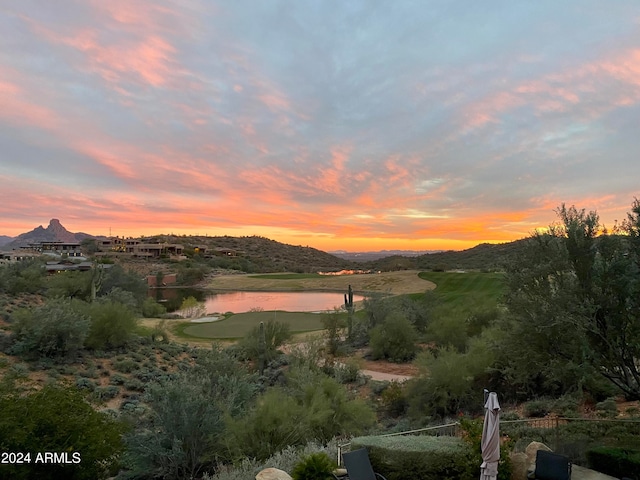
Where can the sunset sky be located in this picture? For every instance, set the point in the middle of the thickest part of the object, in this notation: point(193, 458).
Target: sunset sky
point(337, 124)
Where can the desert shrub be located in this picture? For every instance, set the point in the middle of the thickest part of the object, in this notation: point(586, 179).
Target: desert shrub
point(453, 381)
point(126, 365)
point(394, 400)
point(607, 408)
point(378, 386)
point(317, 466)
point(507, 416)
point(185, 432)
point(117, 277)
point(394, 339)
point(117, 379)
point(334, 325)
point(566, 406)
point(53, 330)
point(312, 406)
point(285, 459)
point(537, 408)
point(133, 385)
point(105, 393)
point(152, 309)
point(85, 383)
point(124, 297)
point(19, 370)
point(448, 328)
point(617, 462)
point(419, 457)
point(112, 324)
point(70, 285)
point(347, 372)
point(275, 335)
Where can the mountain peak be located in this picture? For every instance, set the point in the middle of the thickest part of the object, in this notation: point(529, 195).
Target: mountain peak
point(55, 232)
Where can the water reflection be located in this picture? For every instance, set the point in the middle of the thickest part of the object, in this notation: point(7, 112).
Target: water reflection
point(238, 302)
point(288, 301)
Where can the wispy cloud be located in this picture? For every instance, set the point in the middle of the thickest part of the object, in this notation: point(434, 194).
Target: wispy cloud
point(362, 125)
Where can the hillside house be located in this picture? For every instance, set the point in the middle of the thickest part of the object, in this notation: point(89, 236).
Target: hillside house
point(68, 249)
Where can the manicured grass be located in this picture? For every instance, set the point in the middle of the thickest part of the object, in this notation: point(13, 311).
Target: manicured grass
point(469, 289)
point(237, 326)
point(288, 276)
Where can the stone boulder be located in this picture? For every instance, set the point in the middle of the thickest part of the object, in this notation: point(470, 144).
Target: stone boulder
point(532, 451)
point(273, 474)
point(519, 466)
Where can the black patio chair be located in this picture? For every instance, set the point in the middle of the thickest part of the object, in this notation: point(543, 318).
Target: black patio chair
point(359, 466)
point(551, 466)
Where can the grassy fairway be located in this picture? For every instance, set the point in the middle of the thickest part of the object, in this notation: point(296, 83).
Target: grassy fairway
point(469, 290)
point(288, 276)
point(237, 326)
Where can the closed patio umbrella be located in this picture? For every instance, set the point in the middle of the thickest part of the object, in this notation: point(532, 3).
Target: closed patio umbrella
point(490, 438)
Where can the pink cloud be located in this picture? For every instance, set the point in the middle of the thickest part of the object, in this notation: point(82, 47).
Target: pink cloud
point(617, 78)
point(18, 105)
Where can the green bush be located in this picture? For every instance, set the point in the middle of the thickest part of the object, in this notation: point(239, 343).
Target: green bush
point(394, 339)
point(317, 466)
point(419, 457)
point(617, 462)
point(537, 408)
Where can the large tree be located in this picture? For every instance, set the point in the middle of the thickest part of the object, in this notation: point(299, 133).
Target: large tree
point(574, 298)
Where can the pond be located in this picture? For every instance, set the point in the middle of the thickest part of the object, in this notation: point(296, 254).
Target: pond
point(238, 302)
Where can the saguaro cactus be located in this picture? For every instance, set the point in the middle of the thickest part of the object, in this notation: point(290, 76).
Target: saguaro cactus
point(348, 305)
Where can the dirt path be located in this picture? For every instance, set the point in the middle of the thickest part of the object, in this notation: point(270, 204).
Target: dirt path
point(391, 283)
point(382, 376)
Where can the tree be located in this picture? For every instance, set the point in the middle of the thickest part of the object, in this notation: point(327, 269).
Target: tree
point(192, 308)
point(58, 420)
point(70, 284)
point(116, 276)
point(576, 296)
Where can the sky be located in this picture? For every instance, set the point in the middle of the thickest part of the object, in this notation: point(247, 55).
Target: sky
point(334, 124)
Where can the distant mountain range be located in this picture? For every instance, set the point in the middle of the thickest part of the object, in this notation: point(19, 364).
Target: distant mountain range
point(54, 232)
point(369, 256)
point(265, 255)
